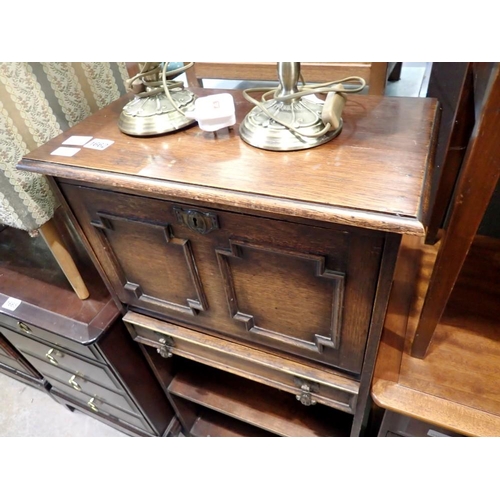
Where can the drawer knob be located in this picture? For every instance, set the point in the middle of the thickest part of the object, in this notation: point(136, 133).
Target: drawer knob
point(305, 396)
point(51, 358)
point(23, 327)
point(73, 383)
point(165, 349)
point(92, 405)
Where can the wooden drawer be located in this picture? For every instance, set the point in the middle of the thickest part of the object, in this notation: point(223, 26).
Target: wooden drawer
point(132, 429)
point(295, 288)
point(98, 402)
point(306, 383)
point(46, 336)
point(62, 359)
point(79, 383)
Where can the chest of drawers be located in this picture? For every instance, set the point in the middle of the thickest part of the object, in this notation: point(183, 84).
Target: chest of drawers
point(273, 267)
point(78, 351)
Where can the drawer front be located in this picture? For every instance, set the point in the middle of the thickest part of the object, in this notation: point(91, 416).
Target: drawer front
point(46, 336)
point(309, 385)
point(65, 399)
point(294, 288)
point(61, 359)
point(98, 405)
point(78, 383)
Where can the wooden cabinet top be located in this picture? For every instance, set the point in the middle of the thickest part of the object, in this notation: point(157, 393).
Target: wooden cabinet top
point(375, 174)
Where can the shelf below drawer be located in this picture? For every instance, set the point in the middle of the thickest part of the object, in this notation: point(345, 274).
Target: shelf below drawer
point(213, 424)
point(254, 404)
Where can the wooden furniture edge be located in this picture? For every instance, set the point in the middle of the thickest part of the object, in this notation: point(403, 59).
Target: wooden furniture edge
point(239, 199)
point(424, 211)
point(456, 417)
point(391, 346)
point(81, 332)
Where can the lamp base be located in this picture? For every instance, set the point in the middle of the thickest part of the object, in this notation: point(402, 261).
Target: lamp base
point(154, 115)
point(260, 130)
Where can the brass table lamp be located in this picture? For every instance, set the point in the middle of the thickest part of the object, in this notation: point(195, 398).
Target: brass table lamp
point(294, 118)
point(161, 103)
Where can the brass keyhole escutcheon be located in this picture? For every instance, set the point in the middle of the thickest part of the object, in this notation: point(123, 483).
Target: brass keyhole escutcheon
point(196, 220)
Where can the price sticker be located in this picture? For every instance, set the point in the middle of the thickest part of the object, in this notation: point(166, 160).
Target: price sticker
point(11, 304)
point(99, 144)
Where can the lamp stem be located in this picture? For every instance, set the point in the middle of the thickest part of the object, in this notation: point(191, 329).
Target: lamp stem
point(288, 74)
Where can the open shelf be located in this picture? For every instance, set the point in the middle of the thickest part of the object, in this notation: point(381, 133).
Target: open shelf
point(210, 423)
point(457, 384)
point(255, 405)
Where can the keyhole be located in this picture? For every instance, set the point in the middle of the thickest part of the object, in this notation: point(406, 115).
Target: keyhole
point(195, 222)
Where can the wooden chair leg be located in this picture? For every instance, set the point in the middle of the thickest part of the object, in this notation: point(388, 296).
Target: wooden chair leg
point(66, 263)
point(395, 73)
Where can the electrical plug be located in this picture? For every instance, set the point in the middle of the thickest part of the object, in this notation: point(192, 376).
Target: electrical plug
point(214, 112)
point(333, 107)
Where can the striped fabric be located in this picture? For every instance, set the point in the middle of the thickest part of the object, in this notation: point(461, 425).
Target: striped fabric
point(37, 102)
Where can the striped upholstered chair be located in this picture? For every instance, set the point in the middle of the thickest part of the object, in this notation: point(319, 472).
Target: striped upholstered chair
point(37, 102)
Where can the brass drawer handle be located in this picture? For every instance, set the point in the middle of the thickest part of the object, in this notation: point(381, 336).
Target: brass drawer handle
point(23, 327)
point(92, 405)
point(73, 383)
point(51, 358)
point(165, 349)
point(307, 390)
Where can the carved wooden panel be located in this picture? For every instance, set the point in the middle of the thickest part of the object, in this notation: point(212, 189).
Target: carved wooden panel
point(176, 285)
point(303, 300)
point(285, 287)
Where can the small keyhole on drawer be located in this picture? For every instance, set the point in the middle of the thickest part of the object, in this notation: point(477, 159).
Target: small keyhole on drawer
point(195, 222)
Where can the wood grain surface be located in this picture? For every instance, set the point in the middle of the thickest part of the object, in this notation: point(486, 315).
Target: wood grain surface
point(456, 385)
point(372, 175)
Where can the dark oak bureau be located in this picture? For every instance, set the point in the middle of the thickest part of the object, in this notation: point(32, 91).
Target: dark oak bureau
point(255, 282)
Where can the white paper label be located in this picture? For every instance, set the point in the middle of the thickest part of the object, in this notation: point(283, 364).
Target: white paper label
point(77, 140)
point(99, 144)
point(11, 304)
point(64, 151)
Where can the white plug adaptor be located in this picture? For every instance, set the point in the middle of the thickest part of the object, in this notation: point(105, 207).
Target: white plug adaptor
point(214, 112)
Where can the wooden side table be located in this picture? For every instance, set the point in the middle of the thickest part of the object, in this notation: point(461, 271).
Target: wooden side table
point(272, 267)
